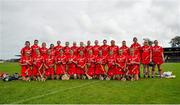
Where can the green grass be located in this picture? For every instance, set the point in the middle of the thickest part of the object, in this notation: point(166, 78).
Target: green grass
point(160, 91)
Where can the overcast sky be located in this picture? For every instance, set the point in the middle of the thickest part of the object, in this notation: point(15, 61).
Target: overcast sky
point(75, 20)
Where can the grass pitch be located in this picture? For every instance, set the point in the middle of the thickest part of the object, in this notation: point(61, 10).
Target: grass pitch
point(149, 91)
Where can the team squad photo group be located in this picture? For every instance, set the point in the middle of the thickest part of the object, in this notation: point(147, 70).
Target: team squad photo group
point(103, 62)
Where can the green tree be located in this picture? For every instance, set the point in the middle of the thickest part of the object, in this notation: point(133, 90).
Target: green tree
point(175, 42)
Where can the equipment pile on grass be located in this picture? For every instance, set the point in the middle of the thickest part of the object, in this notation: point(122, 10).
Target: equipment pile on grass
point(168, 74)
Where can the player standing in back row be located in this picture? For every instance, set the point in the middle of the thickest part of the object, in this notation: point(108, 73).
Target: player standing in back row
point(157, 58)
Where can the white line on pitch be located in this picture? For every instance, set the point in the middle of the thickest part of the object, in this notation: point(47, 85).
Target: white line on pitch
point(39, 96)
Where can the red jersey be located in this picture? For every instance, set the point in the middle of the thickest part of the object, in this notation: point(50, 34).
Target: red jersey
point(137, 48)
point(146, 54)
point(49, 60)
point(27, 60)
point(34, 49)
point(157, 52)
point(25, 69)
point(81, 61)
point(57, 49)
point(101, 60)
point(96, 49)
point(81, 49)
point(43, 51)
point(125, 50)
point(111, 60)
point(75, 50)
point(66, 50)
point(133, 68)
point(88, 48)
point(49, 65)
point(38, 61)
point(60, 64)
point(105, 50)
point(71, 60)
point(91, 60)
point(52, 52)
point(25, 50)
point(60, 59)
point(90, 64)
point(121, 60)
point(132, 59)
point(114, 49)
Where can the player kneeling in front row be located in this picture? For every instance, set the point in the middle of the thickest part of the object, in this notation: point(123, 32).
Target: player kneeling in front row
point(133, 62)
point(100, 66)
point(121, 61)
point(111, 62)
point(49, 65)
point(37, 68)
point(90, 64)
point(71, 65)
point(60, 65)
point(81, 63)
point(26, 63)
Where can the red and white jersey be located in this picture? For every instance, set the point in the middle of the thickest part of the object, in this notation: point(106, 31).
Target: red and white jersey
point(132, 66)
point(88, 48)
point(71, 61)
point(114, 49)
point(57, 49)
point(101, 60)
point(81, 49)
point(157, 56)
point(66, 50)
point(91, 60)
point(146, 52)
point(111, 60)
point(105, 50)
point(49, 60)
point(61, 59)
point(25, 59)
point(81, 61)
point(157, 51)
point(134, 58)
point(43, 51)
point(34, 49)
point(25, 50)
point(52, 52)
point(137, 48)
point(75, 50)
point(125, 50)
point(121, 60)
point(96, 49)
point(38, 61)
